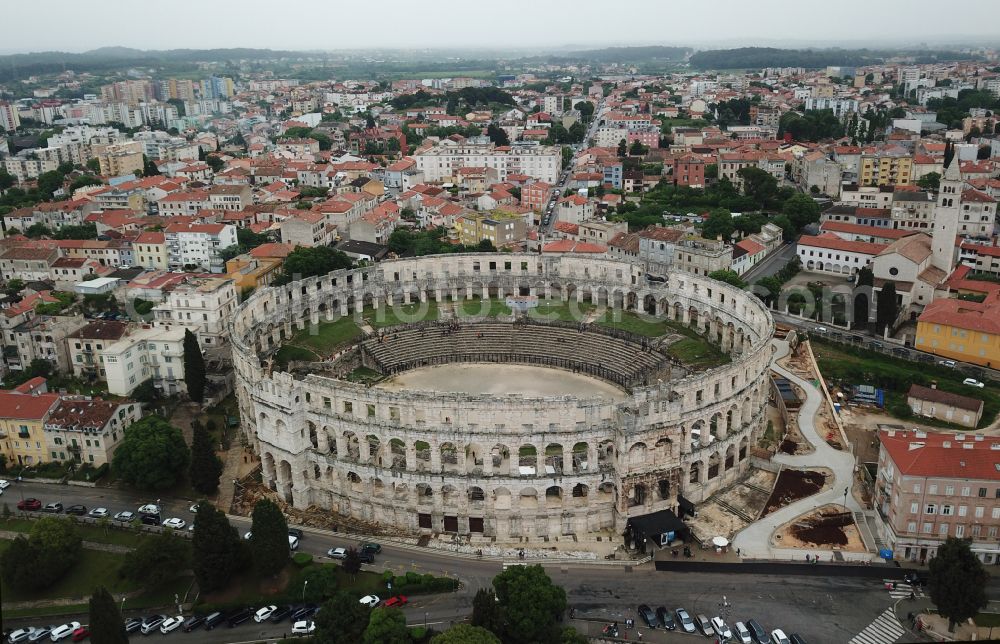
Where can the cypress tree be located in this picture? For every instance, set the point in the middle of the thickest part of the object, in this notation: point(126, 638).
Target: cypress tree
point(106, 623)
point(218, 551)
point(269, 539)
point(206, 467)
point(194, 367)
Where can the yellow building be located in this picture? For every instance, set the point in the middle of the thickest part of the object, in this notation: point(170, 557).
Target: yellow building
point(885, 170)
point(962, 330)
point(150, 250)
point(22, 425)
point(257, 268)
point(501, 228)
point(121, 159)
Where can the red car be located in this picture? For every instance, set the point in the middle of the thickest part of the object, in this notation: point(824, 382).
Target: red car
point(396, 601)
point(29, 504)
point(81, 634)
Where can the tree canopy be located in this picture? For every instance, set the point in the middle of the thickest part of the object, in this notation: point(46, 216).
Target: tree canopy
point(152, 455)
point(194, 367)
point(312, 261)
point(465, 634)
point(157, 558)
point(39, 560)
point(811, 125)
point(386, 626)
point(930, 181)
point(342, 620)
point(218, 552)
point(957, 581)
point(206, 466)
point(269, 538)
point(729, 277)
point(531, 604)
point(106, 623)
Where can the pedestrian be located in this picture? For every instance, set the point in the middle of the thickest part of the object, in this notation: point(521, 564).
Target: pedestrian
point(638, 635)
point(807, 557)
point(737, 552)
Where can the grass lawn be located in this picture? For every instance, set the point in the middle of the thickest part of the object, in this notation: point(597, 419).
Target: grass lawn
point(289, 353)
point(628, 321)
point(363, 374)
point(326, 336)
point(113, 535)
point(477, 307)
point(569, 311)
point(989, 620)
point(95, 568)
point(840, 363)
point(697, 353)
point(385, 316)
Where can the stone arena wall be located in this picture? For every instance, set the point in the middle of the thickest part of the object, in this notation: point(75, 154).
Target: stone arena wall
point(506, 467)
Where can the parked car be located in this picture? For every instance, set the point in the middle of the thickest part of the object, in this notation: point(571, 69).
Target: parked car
point(64, 631)
point(281, 614)
point(125, 516)
point(742, 633)
point(972, 382)
point(295, 532)
point(149, 508)
point(4, 484)
point(29, 504)
point(214, 620)
point(948, 363)
point(704, 625)
point(366, 557)
point(915, 578)
point(721, 629)
point(80, 634)
point(778, 637)
point(174, 523)
point(53, 508)
point(171, 624)
point(151, 623)
point(193, 509)
point(305, 627)
point(371, 601)
point(193, 622)
point(263, 614)
point(98, 513)
point(648, 616)
point(133, 624)
point(303, 612)
point(395, 601)
point(687, 624)
point(20, 635)
point(796, 639)
point(337, 553)
point(76, 510)
point(757, 631)
point(293, 543)
point(368, 546)
point(239, 616)
point(150, 519)
point(41, 633)
point(665, 618)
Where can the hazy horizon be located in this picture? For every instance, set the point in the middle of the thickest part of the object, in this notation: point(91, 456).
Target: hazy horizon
point(318, 26)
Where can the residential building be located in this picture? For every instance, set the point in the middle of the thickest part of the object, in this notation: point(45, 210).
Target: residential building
point(949, 407)
point(202, 304)
point(85, 345)
point(688, 170)
point(22, 426)
point(150, 251)
point(198, 245)
point(308, 228)
point(574, 209)
point(87, 430)
point(961, 330)
point(931, 486)
point(828, 253)
point(257, 268)
point(27, 263)
point(444, 159)
point(888, 168)
point(499, 227)
point(121, 159)
point(230, 197)
point(149, 353)
point(536, 195)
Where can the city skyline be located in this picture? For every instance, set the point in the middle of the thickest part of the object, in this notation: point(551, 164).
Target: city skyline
point(444, 24)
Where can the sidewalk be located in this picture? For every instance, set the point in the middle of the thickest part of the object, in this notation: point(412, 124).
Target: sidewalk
point(754, 541)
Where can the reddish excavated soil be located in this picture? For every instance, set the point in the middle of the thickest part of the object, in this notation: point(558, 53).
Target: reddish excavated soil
point(793, 485)
point(788, 446)
point(825, 530)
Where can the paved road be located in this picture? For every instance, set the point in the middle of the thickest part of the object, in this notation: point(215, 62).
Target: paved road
point(771, 264)
point(567, 174)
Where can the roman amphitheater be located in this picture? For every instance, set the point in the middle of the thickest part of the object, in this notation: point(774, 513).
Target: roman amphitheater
point(509, 424)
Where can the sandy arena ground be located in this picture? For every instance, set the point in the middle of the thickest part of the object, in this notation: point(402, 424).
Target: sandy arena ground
point(481, 378)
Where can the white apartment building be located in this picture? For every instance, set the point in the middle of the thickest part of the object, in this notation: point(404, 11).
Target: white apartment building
point(839, 106)
point(88, 431)
point(156, 353)
point(198, 245)
point(542, 162)
point(202, 304)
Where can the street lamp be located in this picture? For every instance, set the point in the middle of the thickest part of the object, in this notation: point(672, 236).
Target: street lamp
point(304, 585)
point(845, 499)
point(425, 620)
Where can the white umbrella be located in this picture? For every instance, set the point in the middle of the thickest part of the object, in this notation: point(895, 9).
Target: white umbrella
point(720, 542)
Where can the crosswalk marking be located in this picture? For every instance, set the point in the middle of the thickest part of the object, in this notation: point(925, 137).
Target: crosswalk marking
point(886, 629)
point(903, 589)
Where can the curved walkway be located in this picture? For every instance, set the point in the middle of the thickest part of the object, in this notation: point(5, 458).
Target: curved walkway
point(754, 541)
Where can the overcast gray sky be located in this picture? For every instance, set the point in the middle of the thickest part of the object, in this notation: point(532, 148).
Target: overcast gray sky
point(71, 25)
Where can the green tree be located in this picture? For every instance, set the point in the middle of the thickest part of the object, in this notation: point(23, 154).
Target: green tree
point(712, 171)
point(157, 559)
point(718, 224)
point(218, 552)
point(84, 181)
point(729, 277)
point(622, 149)
point(7, 180)
point(206, 466)
point(34, 231)
point(865, 280)
point(386, 626)
point(586, 110)
point(49, 182)
point(215, 162)
point(342, 620)
point(531, 604)
point(866, 277)
point(194, 367)
point(269, 538)
point(312, 261)
point(52, 547)
point(83, 231)
point(465, 634)
point(930, 181)
point(801, 210)
point(486, 611)
point(106, 623)
point(351, 563)
point(570, 635)
point(149, 168)
point(152, 455)
point(887, 308)
point(957, 581)
point(637, 149)
point(497, 134)
point(576, 132)
point(759, 185)
point(319, 583)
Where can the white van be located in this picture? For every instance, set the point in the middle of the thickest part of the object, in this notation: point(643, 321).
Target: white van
point(778, 637)
point(721, 629)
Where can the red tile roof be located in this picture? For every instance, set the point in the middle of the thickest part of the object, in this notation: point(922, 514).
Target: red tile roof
point(26, 406)
point(925, 454)
point(833, 242)
point(982, 317)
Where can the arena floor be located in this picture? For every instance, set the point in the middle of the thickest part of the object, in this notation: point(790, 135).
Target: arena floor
point(481, 378)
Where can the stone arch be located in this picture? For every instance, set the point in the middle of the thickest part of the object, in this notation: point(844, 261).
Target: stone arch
point(422, 450)
point(373, 444)
point(663, 489)
point(500, 458)
point(639, 495)
point(330, 442)
point(581, 454)
point(527, 459)
point(637, 454)
point(355, 482)
point(449, 495)
point(316, 471)
point(501, 499)
point(649, 305)
point(744, 448)
point(553, 496)
point(605, 453)
point(267, 466)
point(352, 446)
point(698, 434)
point(401, 491)
point(528, 498)
point(378, 487)
point(694, 472)
point(425, 494)
point(476, 494)
point(606, 491)
point(553, 458)
point(397, 454)
point(714, 465)
point(713, 425)
point(580, 491)
point(449, 457)
point(730, 461)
